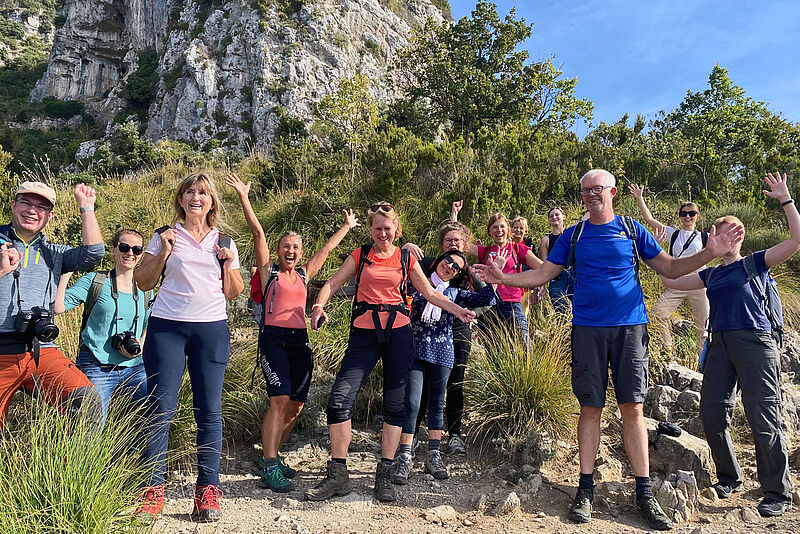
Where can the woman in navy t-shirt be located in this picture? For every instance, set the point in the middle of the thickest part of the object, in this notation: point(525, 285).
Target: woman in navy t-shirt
point(744, 353)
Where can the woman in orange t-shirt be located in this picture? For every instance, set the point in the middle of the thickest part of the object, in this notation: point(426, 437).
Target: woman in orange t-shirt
point(380, 330)
point(286, 358)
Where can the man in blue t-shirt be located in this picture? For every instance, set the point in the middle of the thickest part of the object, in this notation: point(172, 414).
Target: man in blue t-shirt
point(610, 327)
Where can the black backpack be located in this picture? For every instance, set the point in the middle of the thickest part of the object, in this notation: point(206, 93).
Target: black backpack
point(674, 238)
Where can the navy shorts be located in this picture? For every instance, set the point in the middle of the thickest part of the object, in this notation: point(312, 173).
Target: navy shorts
point(595, 349)
point(286, 361)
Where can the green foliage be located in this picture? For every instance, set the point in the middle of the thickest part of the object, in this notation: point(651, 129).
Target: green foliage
point(7, 183)
point(143, 83)
point(125, 152)
point(62, 109)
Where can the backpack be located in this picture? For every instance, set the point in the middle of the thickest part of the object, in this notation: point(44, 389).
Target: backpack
point(94, 293)
point(769, 298)
point(630, 228)
point(361, 307)
point(674, 238)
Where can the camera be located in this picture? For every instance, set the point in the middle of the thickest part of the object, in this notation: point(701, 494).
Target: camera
point(127, 340)
point(36, 322)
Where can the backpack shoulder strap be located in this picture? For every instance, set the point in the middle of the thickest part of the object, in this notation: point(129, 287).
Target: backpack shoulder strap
point(362, 260)
point(91, 298)
point(405, 259)
point(704, 238)
point(672, 241)
point(750, 270)
point(302, 274)
point(630, 226)
point(274, 272)
point(573, 240)
point(710, 271)
point(224, 240)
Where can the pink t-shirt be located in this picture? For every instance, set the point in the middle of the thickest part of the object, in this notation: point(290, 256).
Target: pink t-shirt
point(191, 289)
point(513, 265)
point(289, 304)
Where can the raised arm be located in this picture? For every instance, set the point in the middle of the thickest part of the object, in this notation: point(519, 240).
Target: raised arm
point(718, 245)
point(90, 230)
point(318, 259)
point(779, 189)
point(638, 194)
point(260, 247)
point(345, 273)
point(422, 285)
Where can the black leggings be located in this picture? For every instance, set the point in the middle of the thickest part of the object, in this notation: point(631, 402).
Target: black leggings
point(363, 352)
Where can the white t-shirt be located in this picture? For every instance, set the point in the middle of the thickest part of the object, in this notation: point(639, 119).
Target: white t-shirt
point(192, 286)
point(695, 245)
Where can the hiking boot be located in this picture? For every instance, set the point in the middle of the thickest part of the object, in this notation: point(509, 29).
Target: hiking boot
point(402, 468)
point(581, 509)
point(336, 482)
point(651, 511)
point(770, 507)
point(206, 503)
point(288, 472)
point(456, 445)
point(725, 490)
point(261, 465)
point(152, 501)
point(384, 490)
point(434, 466)
point(274, 479)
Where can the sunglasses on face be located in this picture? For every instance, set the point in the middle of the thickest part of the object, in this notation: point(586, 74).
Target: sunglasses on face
point(383, 207)
point(690, 213)
point(454, 266)
point(125, 248)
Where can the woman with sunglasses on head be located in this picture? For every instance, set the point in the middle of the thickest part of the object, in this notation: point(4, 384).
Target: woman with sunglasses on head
point(198, 267)
point(286, 357)
point(561, 288)
point(434, 355)
point(684, 241)
point(508, 307)
point(379, 329)
point(110, 339)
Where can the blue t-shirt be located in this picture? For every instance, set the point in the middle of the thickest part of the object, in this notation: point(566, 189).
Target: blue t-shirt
point(100, 326)
point(606, 291)
point(733, 301)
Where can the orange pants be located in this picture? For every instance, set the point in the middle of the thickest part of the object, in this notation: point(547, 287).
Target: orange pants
point(57, 375)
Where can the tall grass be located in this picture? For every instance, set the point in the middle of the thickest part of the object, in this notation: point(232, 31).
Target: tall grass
point(61, 474)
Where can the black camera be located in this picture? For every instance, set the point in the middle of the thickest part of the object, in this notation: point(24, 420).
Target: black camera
point(127, 340)
point(36, 322)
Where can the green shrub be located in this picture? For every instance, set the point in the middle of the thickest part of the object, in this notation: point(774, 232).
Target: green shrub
point(62, 109)
point(143, 83)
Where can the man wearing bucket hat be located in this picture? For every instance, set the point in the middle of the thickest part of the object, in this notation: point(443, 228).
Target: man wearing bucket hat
point(30, 267)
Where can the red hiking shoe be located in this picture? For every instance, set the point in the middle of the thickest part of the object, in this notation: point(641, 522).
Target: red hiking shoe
point(206, 503)
point(152, 501)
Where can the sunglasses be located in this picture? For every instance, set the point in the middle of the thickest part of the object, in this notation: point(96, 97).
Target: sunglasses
point(125, 248)
point(383, 207)
point(448, 259)
point(690, 213)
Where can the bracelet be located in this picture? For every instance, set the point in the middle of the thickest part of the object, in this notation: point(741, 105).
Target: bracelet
point(790, 201)
point(84, 209)
point(321, 306)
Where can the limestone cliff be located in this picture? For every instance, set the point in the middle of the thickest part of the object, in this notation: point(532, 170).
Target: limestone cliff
point(226, 68)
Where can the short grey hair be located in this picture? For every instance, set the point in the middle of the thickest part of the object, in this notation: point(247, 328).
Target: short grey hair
point(608, 178)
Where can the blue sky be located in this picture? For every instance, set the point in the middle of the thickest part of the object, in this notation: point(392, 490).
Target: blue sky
point(642, 57)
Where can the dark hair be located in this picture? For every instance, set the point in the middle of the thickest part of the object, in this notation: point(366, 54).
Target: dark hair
point(463, 279)
point(555, 208)
point(124, 231)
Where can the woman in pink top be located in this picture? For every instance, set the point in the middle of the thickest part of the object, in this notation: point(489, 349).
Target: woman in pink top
point(286, 357)
point(188, 327)
point(508, 307)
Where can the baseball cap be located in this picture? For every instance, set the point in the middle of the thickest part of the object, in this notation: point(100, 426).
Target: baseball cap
point(38, 188)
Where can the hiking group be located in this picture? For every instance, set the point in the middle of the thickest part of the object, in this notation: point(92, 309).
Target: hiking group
point(410, 311)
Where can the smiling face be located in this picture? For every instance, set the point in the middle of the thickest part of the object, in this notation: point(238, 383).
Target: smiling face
point(518, 231)
point(290, 250)
point(125, 261)
point(30, 214)
point(453, 240)
point(449, 267)
point(598, 203)
point(383, 231)
point(556, 218)
point(196, 202)
point(689, 214)
point(499, 232)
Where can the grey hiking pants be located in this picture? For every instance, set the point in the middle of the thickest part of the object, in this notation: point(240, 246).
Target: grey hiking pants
point(749, 360)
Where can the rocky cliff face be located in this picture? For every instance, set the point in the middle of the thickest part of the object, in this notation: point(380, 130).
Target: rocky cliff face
point(227, 68)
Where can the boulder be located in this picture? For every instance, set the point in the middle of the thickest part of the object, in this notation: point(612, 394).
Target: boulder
point(660, 401)
point(508, 506)
point(681, 378)
point(684, 453)
point(790, 409)
point(440, 514)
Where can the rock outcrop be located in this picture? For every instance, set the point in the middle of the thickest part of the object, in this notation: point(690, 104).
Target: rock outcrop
point(227, 69)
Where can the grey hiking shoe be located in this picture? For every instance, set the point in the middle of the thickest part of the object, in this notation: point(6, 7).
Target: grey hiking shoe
point(770, 507)
point(336, 482)
point(581, 509)
point(384, 490)
point(456, 445)
point(725, 490)
point(402, 468)
point(434, 466)
point(651, 512)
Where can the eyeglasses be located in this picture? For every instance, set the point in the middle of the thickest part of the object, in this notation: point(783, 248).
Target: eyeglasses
point(598, 189)
point(690, 213)
point(455, 267)
point(383, 207)
point(125, 248)
point(41, 208)
point(452, 240)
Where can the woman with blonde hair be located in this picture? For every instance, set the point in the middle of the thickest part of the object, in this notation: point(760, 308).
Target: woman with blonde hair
point(199, 269)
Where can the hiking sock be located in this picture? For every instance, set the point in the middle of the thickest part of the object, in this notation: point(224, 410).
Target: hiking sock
point(586, 481)
point(268, 462)
point(644, 487)
point(433, 444)
point(404, 449)
point(386, 461)
point(340, 460)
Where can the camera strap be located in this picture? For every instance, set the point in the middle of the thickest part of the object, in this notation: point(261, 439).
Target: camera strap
point(115, 295)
